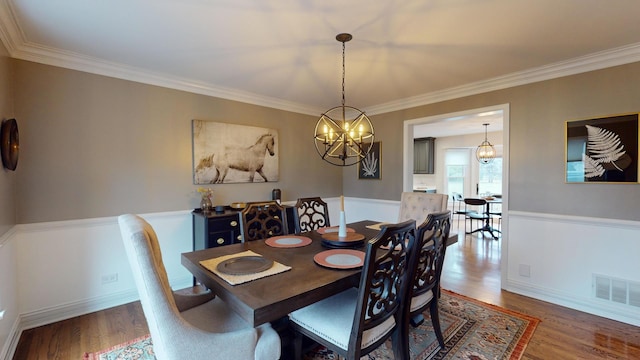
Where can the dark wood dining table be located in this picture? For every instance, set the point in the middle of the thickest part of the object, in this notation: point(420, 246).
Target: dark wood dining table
point(272, 298)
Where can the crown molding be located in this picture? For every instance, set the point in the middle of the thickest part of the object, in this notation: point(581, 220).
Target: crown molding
point(596, 61)
point(17, 46)
point(55, 57)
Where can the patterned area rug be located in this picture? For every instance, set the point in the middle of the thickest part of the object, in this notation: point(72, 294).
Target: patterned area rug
point(472, 330)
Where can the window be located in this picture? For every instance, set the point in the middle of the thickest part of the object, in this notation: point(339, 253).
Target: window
point(457, 163)
point(455, 179)
point(490, 177)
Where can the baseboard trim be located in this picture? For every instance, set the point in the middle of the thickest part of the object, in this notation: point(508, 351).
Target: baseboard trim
point(10, 346)
point(609, 311)
point(66, 311)
point(82, 307)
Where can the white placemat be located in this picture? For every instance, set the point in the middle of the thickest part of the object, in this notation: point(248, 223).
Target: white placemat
point(377, 226)
point(212, 265)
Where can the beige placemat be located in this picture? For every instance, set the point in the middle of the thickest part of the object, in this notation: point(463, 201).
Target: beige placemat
point(377, 226)
point(212, 264)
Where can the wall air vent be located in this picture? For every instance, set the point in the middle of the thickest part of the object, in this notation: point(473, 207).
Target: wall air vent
point(616, 290)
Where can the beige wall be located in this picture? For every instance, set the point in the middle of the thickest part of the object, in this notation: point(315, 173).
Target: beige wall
point(7, 178)
point(538, 114)
point(95, 146)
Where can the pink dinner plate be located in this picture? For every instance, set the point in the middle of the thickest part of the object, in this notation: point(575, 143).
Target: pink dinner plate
point(288, 241)
point(340, 259)
point(332, 229)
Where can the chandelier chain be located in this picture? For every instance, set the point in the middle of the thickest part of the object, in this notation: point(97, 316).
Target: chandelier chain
point(343, 72)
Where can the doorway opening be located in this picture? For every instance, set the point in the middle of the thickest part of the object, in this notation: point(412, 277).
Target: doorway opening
point(449, 124)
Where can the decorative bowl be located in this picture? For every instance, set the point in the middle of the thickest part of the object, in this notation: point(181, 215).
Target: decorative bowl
point(238, 205)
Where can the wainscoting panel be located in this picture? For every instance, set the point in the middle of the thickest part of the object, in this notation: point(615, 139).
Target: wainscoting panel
point(70, 268)
point(561, 254)
point(59, 268)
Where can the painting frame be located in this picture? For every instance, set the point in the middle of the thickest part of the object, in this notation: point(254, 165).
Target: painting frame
point(224, 153)
point(370, 168)
point(602, 150)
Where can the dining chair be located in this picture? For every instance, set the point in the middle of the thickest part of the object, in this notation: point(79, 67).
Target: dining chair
point(357, 321)
point(262, 220)
point(476, 212)
point(496, 213)
point(198, 326)
point(417, 205)
point(425, 272)
point(312, 213)
point(459, 212)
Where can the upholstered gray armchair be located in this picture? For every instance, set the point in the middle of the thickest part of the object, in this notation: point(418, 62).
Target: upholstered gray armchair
point(197, 326)
point(418, 205)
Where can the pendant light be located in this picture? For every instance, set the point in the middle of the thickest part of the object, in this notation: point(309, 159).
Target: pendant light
point(485, 153)
point(343, 135)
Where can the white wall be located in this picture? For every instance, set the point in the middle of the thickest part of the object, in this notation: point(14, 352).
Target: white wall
point(67, 260)
point(564, 252)
point(9, 324)
point(60, 264)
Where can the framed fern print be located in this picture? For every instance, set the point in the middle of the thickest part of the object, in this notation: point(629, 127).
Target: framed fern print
point(602, 150)
point(370, 167)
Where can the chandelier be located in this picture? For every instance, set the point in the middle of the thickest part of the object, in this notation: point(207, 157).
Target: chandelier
point(485, 153)
point(344, 134)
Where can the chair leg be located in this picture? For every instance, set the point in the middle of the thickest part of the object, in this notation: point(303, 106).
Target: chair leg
point(435, 320)
point(400, 342)
point(416, 320)
point(297, 345)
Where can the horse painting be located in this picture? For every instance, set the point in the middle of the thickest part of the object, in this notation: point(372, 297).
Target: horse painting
point(247, 159)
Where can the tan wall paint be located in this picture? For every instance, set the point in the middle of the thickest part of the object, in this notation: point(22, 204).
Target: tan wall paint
point(7, 177)
point(538, 114)
point(96, 146)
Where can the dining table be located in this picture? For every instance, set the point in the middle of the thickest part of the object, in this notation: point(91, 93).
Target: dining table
point(489, 201)
point(271, 298)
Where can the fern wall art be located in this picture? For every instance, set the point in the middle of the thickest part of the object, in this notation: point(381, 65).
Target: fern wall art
point(602, 150)
point(370, 167)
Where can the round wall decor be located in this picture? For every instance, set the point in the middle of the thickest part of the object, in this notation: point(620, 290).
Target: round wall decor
point(9, 144)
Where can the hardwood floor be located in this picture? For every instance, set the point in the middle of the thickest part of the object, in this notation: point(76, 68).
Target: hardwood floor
point(472, 268)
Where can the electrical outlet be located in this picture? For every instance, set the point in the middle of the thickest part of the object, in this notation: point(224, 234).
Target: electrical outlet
point(109, 278)
point(525, 270)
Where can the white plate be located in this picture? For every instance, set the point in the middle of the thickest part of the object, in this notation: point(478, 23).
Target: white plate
point(288, 241)
point(340, 259)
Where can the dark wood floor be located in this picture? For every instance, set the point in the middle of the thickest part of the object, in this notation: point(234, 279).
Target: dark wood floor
point(472, 268)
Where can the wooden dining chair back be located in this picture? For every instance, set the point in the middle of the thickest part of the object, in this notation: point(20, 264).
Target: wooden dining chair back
point(357, 321)
point(262, 220)
point(311, 213)
point(188, 326)
point(425, 273)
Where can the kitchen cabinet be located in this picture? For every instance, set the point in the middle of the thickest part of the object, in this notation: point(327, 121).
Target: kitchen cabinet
point(423, 155)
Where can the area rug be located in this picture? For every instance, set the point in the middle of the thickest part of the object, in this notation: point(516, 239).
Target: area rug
point(472, 330)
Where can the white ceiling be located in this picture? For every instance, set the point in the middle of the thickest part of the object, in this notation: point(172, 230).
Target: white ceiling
point(468, 123)
point(284, 54)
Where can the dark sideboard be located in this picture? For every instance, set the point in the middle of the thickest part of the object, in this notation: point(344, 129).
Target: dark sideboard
point(213, 229)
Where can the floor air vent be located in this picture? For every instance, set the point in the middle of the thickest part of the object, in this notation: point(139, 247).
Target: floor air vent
point(616, 290)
